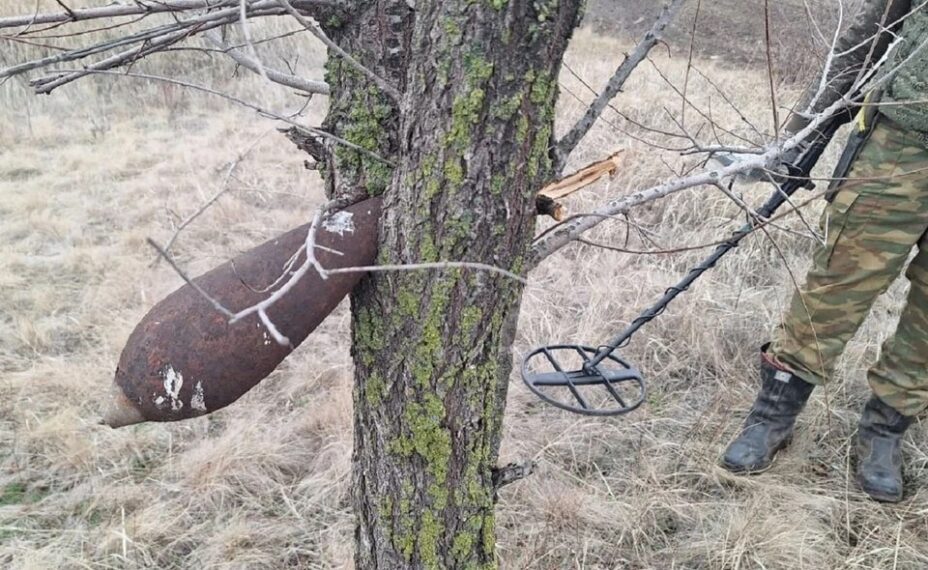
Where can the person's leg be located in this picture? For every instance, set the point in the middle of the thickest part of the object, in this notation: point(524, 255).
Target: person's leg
point(899, 381)
point(871, 227)
point(900, 376)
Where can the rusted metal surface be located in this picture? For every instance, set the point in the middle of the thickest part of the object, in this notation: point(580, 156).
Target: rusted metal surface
point(184, 359)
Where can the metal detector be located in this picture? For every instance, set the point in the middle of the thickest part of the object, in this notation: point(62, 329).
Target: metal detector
point(596, 382)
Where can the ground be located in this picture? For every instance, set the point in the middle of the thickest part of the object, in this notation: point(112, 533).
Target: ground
point(85, 177)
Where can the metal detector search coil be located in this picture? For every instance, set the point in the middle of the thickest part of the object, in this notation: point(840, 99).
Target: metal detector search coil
point(608, 388)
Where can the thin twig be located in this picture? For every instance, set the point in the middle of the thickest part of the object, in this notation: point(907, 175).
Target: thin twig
point(695, 107)
point(770, 78)
point(222, 190)
point(731, 104)
point(795, 209)
point(253, 106)
point(627, 132)
point(689, 61)
point(48, 84)
point(151, 34)
point(311, 262)
point(167, 257)
point(246, 33)
point(272, 328)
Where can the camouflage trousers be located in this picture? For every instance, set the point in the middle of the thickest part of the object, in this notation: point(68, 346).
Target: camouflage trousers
point(873, 224)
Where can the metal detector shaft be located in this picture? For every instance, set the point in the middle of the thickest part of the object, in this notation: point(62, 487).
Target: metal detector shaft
point(798, 178)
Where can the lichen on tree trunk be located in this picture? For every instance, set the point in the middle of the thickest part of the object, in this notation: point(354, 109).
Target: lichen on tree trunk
point(472, 142)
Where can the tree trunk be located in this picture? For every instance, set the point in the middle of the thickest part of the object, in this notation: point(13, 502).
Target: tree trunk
point(472, 145)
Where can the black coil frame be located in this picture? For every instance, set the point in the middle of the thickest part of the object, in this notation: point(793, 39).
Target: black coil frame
point(593, 376)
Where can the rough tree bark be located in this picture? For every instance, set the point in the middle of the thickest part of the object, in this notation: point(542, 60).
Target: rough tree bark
point(472, 143)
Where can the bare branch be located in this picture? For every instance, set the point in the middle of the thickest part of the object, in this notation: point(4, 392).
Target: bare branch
point(190, 19)
point(568, 231)
point(309, 263)
point(48, 84)
point(624, 117)
point(567, 144)
point(761, 224)
point(308, 248)
point(695, 107)
point(223, 17)
point(111, 11)
point(285, 79)
point(315, 30)
point(271, 328)
point(728, 101)
point(144, 7)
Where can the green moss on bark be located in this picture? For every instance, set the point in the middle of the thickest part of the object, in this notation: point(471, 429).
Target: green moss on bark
point(364, 116)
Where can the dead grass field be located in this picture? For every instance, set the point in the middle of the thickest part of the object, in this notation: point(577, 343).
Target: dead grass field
point(87, 174)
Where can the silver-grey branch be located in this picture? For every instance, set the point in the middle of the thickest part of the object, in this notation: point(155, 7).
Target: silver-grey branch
point(285, 79)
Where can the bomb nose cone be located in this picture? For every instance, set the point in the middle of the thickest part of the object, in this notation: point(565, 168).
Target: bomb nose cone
point(120, 411)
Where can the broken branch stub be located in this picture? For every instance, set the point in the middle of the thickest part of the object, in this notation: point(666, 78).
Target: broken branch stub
point(184, 359)
point(546, 202)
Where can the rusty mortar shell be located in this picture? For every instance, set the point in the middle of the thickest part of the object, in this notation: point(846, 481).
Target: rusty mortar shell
point(184, 359)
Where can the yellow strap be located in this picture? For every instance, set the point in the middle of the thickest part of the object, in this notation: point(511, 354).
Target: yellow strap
point(862, 115)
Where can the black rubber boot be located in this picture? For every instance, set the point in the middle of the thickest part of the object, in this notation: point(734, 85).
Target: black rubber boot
point(769, 425)
point(879, 451)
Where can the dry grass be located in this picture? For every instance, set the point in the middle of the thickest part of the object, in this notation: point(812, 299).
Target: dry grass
point(264, 483)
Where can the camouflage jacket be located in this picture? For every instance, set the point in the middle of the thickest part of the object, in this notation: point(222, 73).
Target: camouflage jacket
point(862, 45)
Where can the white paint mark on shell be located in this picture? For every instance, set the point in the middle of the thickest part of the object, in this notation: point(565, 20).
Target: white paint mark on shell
point(198, 400)
point(340, 223)
point(173, 382)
